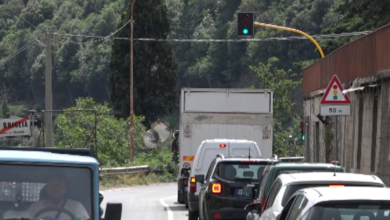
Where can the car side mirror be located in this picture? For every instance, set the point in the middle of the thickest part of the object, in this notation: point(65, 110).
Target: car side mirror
point(253, 207)
point(101, 212)
point(113, 211)
point(199, 178)
point(101, 197)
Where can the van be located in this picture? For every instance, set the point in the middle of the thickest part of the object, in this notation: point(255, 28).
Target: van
point(206, 153)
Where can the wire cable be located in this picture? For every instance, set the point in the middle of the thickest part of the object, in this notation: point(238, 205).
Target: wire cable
point(110, 37)
point(18, 51)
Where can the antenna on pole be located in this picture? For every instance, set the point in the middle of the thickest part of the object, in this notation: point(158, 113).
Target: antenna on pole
point(249, 156)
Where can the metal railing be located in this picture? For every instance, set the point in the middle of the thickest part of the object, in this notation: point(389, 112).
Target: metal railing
point(124, 170)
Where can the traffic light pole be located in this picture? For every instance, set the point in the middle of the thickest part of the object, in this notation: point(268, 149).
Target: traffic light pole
point(292, 30)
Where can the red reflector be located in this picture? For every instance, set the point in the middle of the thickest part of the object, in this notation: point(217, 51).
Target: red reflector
point(263, 204)
point(336, 185)
point(222, 145)
point(217, 215)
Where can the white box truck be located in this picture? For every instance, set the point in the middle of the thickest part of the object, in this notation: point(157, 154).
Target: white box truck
point(245, 114)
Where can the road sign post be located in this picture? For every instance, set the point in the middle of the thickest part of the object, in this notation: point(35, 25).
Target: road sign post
point(335, 102)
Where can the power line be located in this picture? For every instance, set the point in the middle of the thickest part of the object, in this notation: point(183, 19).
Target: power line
point(18, 51)
point(110, 37)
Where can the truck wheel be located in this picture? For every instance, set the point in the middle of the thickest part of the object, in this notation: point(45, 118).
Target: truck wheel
point(193, 215)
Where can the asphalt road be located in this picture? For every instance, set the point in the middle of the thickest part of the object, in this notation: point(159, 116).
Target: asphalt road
point(157, 202)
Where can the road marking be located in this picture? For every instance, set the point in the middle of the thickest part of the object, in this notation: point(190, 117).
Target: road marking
point(169, 211)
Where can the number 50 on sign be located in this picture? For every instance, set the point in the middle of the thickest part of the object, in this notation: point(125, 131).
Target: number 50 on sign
point(328, 110)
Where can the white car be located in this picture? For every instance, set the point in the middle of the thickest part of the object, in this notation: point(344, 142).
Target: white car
point(287, 184)
point(349, 203)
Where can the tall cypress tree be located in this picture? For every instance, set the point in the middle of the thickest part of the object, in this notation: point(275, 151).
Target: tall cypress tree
point(155, 66)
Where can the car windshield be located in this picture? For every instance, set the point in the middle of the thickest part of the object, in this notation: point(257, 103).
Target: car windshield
point(303, 171)
point(291, 189)
point(27, 190)
point(349, 210)
point(241, 170)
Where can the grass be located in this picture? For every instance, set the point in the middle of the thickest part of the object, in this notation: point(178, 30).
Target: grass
point(137, 179)
point(157, 160)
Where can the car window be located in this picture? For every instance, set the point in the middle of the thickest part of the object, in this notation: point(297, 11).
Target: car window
point(208, 175)
point(273, 193)
point(33, 183)
point(350, 209)
point(291, 189)
point(263, 183)
point(240, 170)
point(296, 208)
point(306, 170)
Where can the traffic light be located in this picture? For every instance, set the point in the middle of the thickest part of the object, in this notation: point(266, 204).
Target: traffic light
point(245, 24)
point(302, 134)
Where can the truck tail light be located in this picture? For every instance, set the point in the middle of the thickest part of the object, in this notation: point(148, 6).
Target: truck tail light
point(216, 188)
point(192, 185)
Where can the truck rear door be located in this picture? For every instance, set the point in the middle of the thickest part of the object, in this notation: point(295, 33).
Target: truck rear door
point(242, 149)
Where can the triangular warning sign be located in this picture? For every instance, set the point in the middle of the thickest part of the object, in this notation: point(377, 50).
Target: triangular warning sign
point(334, 93)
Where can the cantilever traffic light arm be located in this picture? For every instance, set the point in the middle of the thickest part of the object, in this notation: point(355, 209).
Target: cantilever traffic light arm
point(292, 30)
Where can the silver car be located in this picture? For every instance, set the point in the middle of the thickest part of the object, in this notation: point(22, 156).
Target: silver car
point(349, 203)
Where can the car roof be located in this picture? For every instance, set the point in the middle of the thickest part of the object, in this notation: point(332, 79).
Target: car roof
point(305, 165)
point(246, 159)
point(44, 157)
point(348, 193)
point(318, 177)
point(227, 140)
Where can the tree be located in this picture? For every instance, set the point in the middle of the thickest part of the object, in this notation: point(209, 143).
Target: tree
point(155, 67)
point(73, 129)
point(282, 83)
point(355, 16)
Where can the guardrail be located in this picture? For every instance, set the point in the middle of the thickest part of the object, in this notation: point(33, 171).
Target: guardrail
point(124, 170)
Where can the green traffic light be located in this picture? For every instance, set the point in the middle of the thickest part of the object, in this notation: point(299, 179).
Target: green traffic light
point(245, 31)
point(303, 138)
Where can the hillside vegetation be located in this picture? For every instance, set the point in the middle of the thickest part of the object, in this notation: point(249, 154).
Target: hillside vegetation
point(92, 71)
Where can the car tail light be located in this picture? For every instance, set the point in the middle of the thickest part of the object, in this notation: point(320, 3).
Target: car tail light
point(217, 215)
point(263, 204)
point(336, 185)
point(192, 185)
point(185, 182)
point(222, 145)
point(255, 201)
point(216, 188)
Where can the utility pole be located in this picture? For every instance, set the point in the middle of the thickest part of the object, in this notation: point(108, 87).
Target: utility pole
point(48, 93)
point(131, 84)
